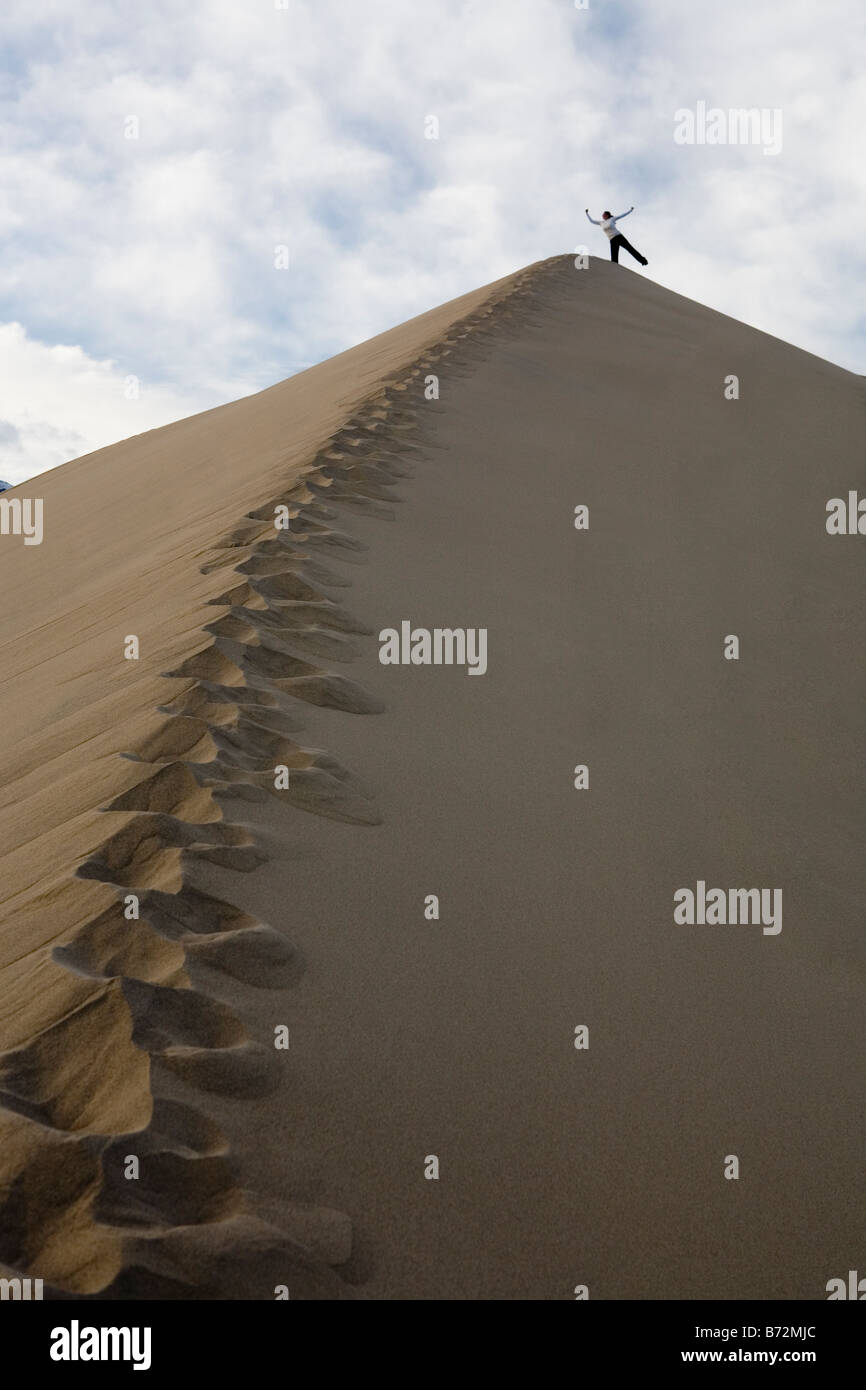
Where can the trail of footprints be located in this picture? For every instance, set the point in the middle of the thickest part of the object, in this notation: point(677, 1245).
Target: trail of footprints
point(224, 732)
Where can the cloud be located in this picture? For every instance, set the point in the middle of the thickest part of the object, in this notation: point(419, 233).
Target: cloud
point(58, 403)
point(152, 242)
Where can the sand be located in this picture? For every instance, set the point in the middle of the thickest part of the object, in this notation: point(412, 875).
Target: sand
point(304, 908)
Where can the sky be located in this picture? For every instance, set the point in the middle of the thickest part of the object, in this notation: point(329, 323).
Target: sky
point(199, 198)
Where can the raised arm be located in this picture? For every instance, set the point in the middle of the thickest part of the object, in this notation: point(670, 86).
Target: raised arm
point(592, 219)
point(621, 215)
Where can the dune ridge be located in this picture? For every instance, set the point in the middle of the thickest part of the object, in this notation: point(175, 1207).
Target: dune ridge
point(118, 1016)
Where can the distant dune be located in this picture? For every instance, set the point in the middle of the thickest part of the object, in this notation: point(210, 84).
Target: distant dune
point(207, 852)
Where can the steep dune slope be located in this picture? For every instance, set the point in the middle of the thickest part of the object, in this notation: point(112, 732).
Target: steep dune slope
point(140, 540)
point(302, 906)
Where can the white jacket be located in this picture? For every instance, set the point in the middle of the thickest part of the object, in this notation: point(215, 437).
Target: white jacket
point(608, 224)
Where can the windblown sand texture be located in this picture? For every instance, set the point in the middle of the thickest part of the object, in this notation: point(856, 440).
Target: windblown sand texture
point(305, 907)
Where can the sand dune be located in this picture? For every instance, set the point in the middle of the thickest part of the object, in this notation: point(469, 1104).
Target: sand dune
point(152, 781)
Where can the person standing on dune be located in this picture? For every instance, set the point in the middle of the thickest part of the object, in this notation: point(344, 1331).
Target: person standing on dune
point(608, 225)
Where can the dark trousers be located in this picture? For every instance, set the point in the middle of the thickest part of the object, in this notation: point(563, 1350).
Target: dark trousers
point(620, 241)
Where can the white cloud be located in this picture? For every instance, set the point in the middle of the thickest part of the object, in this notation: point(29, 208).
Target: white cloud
point(57, 403)
point(305, 126)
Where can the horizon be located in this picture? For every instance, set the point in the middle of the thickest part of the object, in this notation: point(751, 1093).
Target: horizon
point(312, 366)
point(196, 210)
